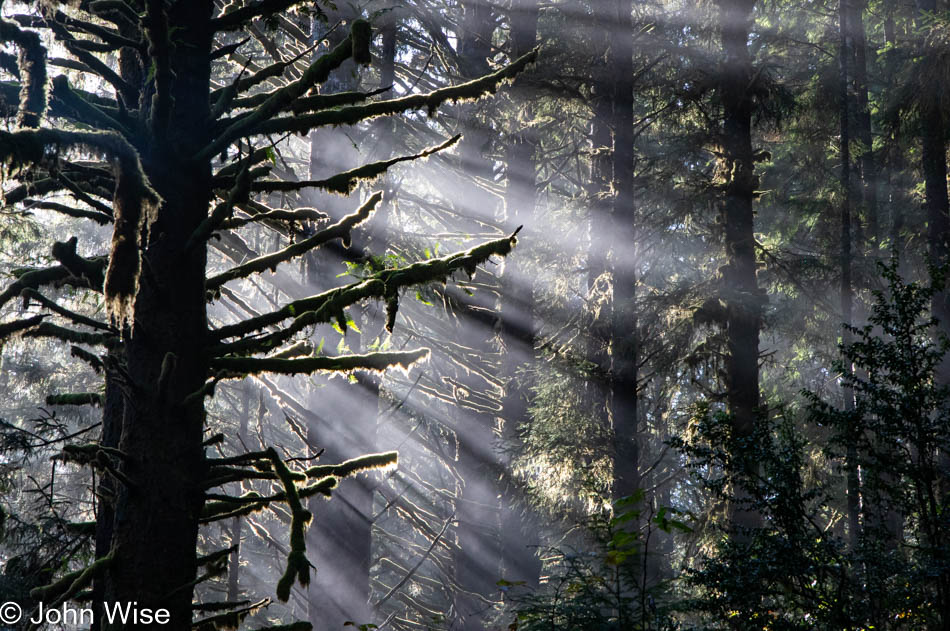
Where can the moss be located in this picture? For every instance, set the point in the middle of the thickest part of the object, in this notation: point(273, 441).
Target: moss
point(431, 101)
point(76, 398)
point(375, 362)
point(70, 584)
point(298, 567)
point(324, 306)
point(31, 63)
point(281, 99)
point(356, 465)
point(340, 230)
point(344, 183)
point(361, 34)
point(9, 329)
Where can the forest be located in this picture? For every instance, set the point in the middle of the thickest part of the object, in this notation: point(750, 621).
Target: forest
point(462, 315)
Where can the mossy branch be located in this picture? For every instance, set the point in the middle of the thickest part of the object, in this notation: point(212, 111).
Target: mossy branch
point(70, 584)
point(31, 63)
point(83, 110)
point(260, 212)
point(9, 329)
point(238, 18)
point(76, 398)
point(344, 183)
point(71, 336)
point(34, 295)
point(298, 568)
point(339, 230)
point(230, 619)
point(325, 306)
point(222, 510)
point(431, 101)
point(355, 465)
point(98, 216)
point(371, 361)
point(315, 102)
point(282, 99)
point(34, 278)
point(92, 270)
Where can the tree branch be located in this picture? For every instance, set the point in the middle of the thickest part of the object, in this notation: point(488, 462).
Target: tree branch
point(340, 230)
point(370, 361)
point(345, 182)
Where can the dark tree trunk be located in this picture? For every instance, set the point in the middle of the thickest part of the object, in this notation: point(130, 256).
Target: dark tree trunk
point(846, 290)
point(519, 526)
point(624, 344)
point(156, 520)
point(740, 288)
point(934, 166)
point(866, 160)
point(478, 557)
point(600, 287)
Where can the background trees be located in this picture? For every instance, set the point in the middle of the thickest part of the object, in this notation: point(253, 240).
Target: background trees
point(608, 430)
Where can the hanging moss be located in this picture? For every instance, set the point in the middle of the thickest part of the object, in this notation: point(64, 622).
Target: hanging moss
point(298, 567)
point(360, 35)
point(135, 207)
point(31, 64)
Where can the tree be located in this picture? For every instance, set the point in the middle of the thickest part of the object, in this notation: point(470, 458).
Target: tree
point(179, 162)
point(742, 296)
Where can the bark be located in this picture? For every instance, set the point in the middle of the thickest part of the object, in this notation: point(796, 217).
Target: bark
point(934, 166)
point(624, 344)
point(846, 289)
point(742, 295)
point(154, 546)
point(866, 158)
point(519, 524)
point(478, 557)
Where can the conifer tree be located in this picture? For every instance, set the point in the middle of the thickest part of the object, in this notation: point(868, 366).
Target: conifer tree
point(171, 162)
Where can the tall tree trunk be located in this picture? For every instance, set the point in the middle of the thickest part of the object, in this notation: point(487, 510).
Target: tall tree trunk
point(155, 527)
point(933, 139)
point(340, 540)
point(478, 556)
point(866, 160)
point(600, 282)
point(624, 344)
point(846, 290)
point(740, 288)
point(519, 530)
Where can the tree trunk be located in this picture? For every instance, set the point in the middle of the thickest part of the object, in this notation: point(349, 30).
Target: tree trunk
point(519, 526)
point(846, 290)
point(478, 557)
point(743, 297)
point(934, 166)
point(156, 520)
point(624, 344)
